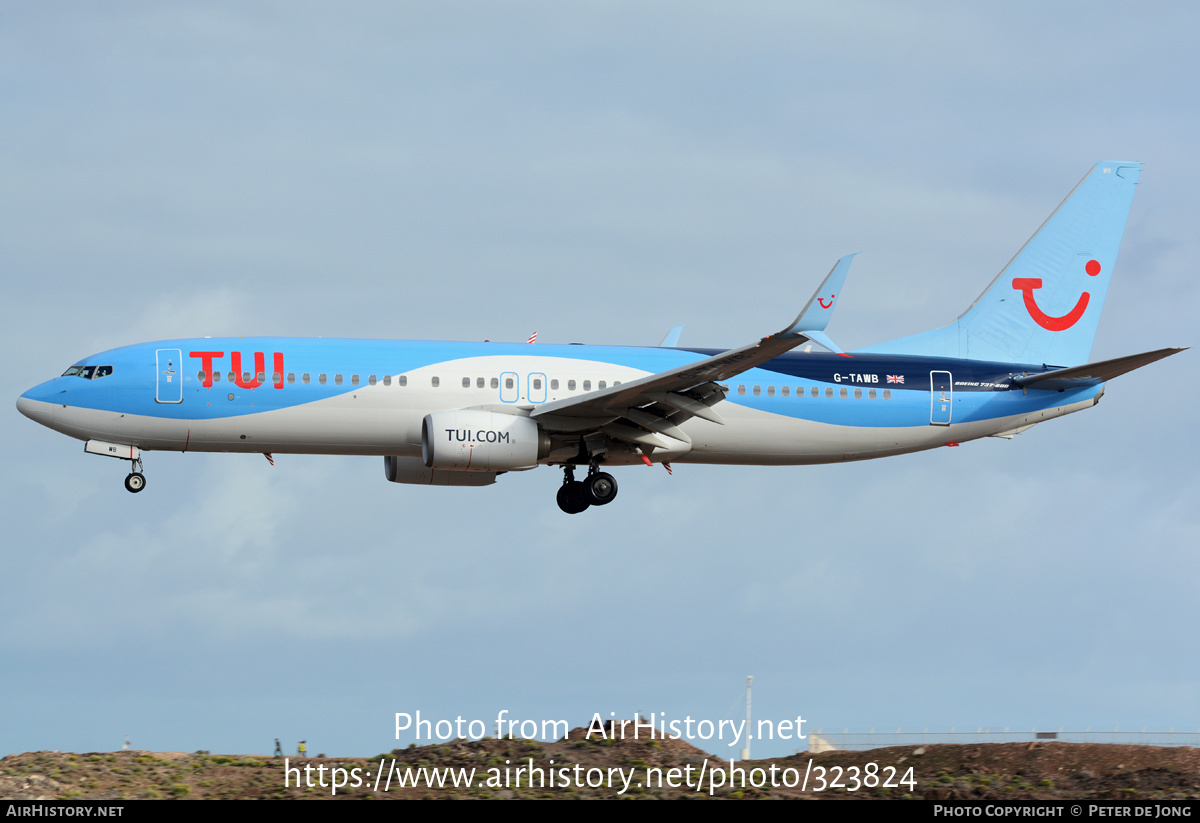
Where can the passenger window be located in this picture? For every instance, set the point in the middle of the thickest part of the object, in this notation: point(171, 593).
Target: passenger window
point(587, 385)
point(387, 380)
point(871, 394)
point(261, 377)
point(842, 393)
point(435, 382)
point(858, 394)
point(554, 384)
point(757, 391)
point(495, 382)
point(570, 385)
point(784, 391)
point(371, 380)
point(291, 377)
point(466, 382)
point(815, 392)
point(508, 382)
point(321, 379)
point(337, 380)
point(229, 377)
point(770, 391)
point(216, 377)
point(537, 383)
point(276, 377)
point(479, 383)
point(602, 384)
point(829, 392)
point(200, 375)
point(741, 389)
point(402, 380)
point(887, 394)
point(354, 381)
point(304, 378)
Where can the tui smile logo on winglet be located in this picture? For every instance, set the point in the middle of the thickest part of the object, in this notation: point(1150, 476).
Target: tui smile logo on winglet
point(1026, 286)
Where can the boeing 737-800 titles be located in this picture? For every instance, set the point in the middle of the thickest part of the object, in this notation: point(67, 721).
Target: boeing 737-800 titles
point(461, 414)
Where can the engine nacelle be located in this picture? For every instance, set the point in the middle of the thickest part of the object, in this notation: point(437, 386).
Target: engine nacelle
point(413, 470)
point(481, 441)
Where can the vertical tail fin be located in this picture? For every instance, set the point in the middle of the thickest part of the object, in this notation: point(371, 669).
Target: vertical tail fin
point(1044, 306)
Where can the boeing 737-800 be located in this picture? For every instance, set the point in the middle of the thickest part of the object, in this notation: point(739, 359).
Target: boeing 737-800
point(461, 414)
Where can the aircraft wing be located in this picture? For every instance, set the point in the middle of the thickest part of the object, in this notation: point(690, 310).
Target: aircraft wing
point(657, 403)
point(1091, 374)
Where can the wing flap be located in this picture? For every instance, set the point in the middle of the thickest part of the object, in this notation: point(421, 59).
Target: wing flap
point(689, 405)
point(657, 424)
point(643, 438)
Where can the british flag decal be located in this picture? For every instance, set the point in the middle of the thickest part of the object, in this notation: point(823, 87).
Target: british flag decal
point(895, 378)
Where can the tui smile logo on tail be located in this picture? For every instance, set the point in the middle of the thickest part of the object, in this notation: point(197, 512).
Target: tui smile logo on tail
point(1026, 285)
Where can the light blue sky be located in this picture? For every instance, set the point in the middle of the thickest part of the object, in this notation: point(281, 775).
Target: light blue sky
point(597, 172)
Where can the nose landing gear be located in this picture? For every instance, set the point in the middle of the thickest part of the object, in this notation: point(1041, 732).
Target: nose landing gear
point(135, 481)
point(597, 489)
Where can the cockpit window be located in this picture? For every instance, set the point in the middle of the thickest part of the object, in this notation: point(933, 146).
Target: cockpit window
point(88, 372)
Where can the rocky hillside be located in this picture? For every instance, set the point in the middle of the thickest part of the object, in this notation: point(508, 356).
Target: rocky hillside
point(578, 768)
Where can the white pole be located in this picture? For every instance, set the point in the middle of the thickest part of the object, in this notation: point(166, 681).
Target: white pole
point(746, 751)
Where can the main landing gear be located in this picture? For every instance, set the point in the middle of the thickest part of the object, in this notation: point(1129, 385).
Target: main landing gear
point(597, 489)
point(135, 481)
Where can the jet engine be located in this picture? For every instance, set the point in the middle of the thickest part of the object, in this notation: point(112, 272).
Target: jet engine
point(481, 441)
point(413, 470)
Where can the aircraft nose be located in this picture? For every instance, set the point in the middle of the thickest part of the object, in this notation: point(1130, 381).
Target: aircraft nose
point(26, 406)
point(33, 405)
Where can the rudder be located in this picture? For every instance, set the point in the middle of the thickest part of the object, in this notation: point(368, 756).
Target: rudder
point(1044, 306)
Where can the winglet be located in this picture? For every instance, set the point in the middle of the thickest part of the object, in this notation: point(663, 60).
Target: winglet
point(672, 338)
point(819, 309)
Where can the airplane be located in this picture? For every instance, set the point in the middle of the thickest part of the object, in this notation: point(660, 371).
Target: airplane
point(464, 413)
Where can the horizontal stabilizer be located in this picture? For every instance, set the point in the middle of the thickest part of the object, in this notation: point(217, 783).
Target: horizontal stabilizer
point(822, 338)
point(1011, 433)
point(1092, 373)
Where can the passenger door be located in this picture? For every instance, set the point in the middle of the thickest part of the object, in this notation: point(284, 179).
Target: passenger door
point(169, 365)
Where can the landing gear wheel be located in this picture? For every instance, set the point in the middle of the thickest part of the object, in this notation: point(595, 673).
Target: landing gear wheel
point(601, 488)
point(572, 498)
point(572, 495)
point(135, 482)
